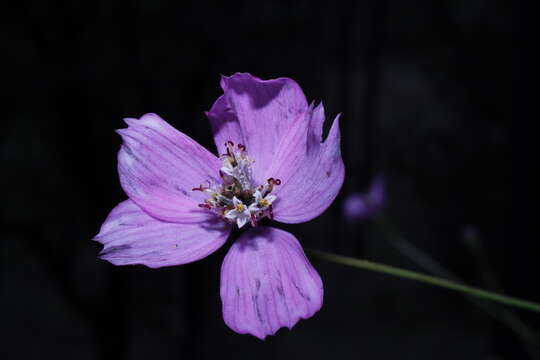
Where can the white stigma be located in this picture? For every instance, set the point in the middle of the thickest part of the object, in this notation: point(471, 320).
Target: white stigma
point(236, 199)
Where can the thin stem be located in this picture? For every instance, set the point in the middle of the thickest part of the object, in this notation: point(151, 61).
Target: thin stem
point(416, 276)
point(505, 315)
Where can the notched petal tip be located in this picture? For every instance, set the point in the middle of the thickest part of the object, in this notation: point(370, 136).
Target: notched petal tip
point(143, 119)
point(334, 134)
point(150, 117)
point(312, 179)
point(130, 121)
point(245, 77)
point(239, 74)
point(121, 132)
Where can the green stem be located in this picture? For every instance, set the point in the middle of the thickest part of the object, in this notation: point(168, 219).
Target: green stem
point(504, 315)
point(413, 275)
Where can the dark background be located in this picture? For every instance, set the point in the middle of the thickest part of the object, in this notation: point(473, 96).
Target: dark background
point(424, 89)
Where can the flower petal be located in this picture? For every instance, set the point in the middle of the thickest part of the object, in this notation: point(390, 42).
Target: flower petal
point(225, 125)
point(377, 192)
point(258, 113)
point(131, 236)
point(159, 166)
point(268, 283)
point(356, 206)
point(311, 171)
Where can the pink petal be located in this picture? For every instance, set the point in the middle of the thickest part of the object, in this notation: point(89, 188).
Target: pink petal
point(225, 125)
point(159, 166)
point(357, 206)
point(131, 236)
point(268, 283)
point(311, 171)
point(377, 191)
point(259, 113)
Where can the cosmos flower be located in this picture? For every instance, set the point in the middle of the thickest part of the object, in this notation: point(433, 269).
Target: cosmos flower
point(361, 206)
point(184, 201)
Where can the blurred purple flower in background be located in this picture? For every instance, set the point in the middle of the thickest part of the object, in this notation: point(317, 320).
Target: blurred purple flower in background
point(362, 206)
point(184, 201)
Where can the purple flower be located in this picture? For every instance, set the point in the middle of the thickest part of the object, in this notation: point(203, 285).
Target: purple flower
point(184, 201)
point(361, 206)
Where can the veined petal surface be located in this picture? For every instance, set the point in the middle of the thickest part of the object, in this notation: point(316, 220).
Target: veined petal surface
point(131, 236)
point(268, 283)
point(258, 113)
point(225, 125)
point(311, 171)
point(159, 166)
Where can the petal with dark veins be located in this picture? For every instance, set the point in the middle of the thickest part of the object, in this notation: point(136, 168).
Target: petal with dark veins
point(268, 283)
point(311, 171)
point(159, 166)
point(131, 236)
point(258, 113)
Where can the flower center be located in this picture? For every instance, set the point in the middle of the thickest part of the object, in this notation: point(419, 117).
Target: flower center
point(237, 199)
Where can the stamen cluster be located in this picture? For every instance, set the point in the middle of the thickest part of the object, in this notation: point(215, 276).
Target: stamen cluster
point(236, 199)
